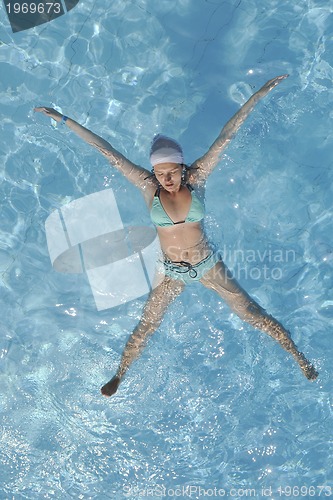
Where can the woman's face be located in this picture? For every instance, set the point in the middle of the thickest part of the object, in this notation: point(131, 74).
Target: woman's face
point(169, 175)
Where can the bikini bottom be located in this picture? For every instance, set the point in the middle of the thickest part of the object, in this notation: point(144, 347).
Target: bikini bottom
point(188, 273)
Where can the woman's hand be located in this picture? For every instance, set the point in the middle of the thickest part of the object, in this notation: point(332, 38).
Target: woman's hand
point(52, 113)
point(272, 83)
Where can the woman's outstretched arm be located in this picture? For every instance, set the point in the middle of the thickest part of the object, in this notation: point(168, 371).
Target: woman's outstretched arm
point(205, 165)
point(135, 174)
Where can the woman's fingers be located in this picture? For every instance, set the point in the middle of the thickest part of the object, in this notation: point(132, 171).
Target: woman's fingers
point(275, 81)
point(42, 110)
point(52, 113)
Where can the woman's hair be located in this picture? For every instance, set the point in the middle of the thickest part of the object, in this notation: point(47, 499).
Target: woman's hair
point(165, 150)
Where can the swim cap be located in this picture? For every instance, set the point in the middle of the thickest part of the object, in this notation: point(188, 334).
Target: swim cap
point(165, 150)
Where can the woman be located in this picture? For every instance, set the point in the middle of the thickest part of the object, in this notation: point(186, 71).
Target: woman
point(177, 213)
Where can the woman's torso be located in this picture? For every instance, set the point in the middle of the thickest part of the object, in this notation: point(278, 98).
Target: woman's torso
point(178, 219)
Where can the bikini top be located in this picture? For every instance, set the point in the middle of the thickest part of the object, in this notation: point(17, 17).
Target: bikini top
point(160, 218)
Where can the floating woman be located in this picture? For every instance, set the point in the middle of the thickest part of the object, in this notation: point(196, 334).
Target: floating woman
point(177, 212)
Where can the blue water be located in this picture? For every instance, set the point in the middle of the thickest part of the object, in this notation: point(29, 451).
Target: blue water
point(211, 403)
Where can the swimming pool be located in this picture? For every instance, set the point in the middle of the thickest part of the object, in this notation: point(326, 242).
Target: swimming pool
point(212, 408)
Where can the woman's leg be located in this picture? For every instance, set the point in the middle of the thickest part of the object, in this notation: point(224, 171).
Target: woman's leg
point(220, 279)
point(159, 300)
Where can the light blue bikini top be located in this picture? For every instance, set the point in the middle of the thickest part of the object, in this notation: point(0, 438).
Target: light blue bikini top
point(160, 218)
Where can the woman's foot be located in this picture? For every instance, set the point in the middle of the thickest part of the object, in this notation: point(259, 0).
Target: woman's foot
point(310, 372)
point(307, 368)
point(110, 387)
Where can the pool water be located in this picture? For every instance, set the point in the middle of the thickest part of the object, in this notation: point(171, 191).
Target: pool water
point(212, 407)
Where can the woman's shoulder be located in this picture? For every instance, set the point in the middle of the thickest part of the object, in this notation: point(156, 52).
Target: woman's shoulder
point(193, 176)
point(149, 187)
